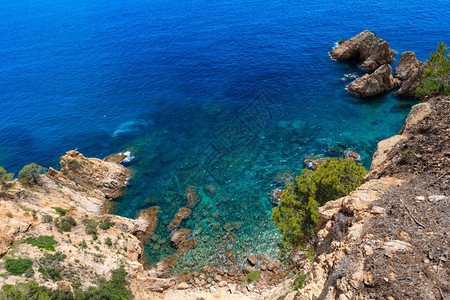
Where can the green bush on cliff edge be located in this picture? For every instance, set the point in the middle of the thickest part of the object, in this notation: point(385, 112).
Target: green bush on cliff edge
point(436, 79)
point(297, 215)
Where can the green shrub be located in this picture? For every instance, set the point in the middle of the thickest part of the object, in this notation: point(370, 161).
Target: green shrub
point(32, 290)
point(18, 266)
point(9, 214)
point(108, 241)
point(8, 186)
point(310, 254)
point(30, 172)
point(90, 226)
point(74, 164)
point(299, 281)
point(297, 215)
point(43, 242)
point(5, 176)
point(436, 78)
point(253, 276)
point(65, 223)
point(61, 211)
point(47, 219)
point(105, 224)
point(83, 244)
point(114, 289)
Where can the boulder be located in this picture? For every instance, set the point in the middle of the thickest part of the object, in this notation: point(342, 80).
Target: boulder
point(182, 213)
point(252, 260)
point(275, 196)
point(407, 66)
point(247, 269)
point(274, 266)
point(179, 235)
point(313, 162)
point(365, 48)
point(370, 85)
point(408, 88)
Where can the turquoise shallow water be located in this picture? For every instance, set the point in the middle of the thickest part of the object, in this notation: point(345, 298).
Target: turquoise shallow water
point(177, 85)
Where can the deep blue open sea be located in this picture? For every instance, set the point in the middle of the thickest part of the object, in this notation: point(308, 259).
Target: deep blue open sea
point(228, 93)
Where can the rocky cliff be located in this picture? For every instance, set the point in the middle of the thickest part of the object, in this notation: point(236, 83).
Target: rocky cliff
point(65, 214)
point(389, 238)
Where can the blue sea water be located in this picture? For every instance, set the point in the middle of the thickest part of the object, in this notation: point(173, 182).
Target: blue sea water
point(229, 93)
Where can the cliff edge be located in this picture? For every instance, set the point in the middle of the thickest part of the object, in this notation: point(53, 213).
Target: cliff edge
point(389, 238)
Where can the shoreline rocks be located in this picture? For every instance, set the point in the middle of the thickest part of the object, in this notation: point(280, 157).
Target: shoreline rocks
point(182, 214)
point(407, 66)
point(365, 48)
point(370, 85)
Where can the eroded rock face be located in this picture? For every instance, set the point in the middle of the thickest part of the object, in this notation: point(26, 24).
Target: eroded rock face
point(409, 86)
point(407, 66)
point(93, 173)
point(365, 48)
point(379, 82)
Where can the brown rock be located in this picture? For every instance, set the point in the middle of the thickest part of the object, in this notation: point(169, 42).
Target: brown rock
point(93, 173)
point(186, 245)
point(407, 66)
point(252, 260)
point(179, 235)
point(352, 155)
point(379, 82)
point(313, 162)
point(366, 48)
point(182, 214)
point(247, 269)
point(274, 266)
point(115, 158)
point(409, 86)
point(150, 215)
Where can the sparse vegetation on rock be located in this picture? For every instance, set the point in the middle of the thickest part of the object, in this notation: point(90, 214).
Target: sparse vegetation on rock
point(30, 173)
point(436, 78)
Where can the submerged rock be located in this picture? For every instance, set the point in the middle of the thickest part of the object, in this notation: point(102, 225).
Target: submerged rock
point(193, 198)
point(407, 66)
point(182, 214)
point(179, 235)
point(210, 190)
point(379, 82)
point(365, 48)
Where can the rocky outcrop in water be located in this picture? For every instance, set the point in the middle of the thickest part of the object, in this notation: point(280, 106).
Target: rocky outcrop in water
point(365, 48)
point(370, 85)
point(409, 86)
point(407, 66)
